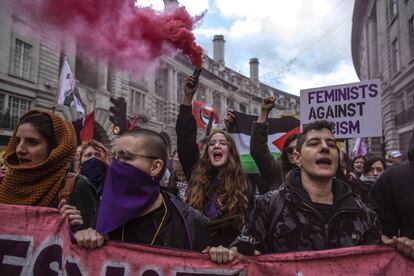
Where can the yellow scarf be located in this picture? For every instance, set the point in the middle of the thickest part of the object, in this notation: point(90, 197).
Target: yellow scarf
point(38, 185)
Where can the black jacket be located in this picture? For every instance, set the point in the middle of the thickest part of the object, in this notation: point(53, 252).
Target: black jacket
point(361, 187)
point(271, 172)
point(84, 199)
point(184, 227)
point(195, 224)
point(393, 199)
point(187, 148)
point(284, 221)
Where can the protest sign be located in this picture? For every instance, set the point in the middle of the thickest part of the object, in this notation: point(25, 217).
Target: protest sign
point(32, 242)
point(354, 108)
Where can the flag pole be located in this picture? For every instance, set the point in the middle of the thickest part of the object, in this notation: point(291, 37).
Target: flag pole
point(210, 124)
point(94, 104)
point(347, 146)
point(59, 83)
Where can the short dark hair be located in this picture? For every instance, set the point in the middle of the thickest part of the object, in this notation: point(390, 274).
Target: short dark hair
point(166, 138)
point(370, 161)
point(43, 124)
point(154, 144)
point(316, 125)
point(286, 165)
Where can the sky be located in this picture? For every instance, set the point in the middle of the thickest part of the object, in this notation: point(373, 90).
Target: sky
point(300, 44)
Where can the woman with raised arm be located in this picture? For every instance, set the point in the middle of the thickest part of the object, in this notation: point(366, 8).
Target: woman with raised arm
point(218, 186)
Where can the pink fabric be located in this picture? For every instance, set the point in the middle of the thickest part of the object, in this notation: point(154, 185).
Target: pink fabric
point(33, 243)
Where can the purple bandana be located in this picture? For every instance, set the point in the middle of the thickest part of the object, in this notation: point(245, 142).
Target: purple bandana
point(127, 192)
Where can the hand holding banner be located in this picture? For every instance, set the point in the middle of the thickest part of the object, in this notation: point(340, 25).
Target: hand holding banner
point(33, 243)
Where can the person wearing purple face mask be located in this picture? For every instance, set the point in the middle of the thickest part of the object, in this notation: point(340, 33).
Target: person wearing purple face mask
point(134, 208)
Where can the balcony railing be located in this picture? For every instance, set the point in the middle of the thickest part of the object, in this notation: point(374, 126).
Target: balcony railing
point(405, 117)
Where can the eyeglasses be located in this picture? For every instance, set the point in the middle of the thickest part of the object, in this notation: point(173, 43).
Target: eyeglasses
point(290, 150)
point(125, 156)
point(212, 143)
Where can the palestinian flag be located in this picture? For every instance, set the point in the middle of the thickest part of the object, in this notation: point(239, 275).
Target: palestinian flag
point(279, 130)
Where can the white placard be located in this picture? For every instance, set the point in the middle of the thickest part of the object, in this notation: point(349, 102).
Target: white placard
point(355, 108)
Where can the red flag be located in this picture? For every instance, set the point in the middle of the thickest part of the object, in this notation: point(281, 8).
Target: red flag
point(202, 112)
point(134, 122)
point(87, 132)
point(279, 142)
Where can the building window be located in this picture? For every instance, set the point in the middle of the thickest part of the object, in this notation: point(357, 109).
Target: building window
point(160, 111)
point(18, 107)
point(23, 57)
point(11, 109)
point(138, 102)
point(86, 69)
point(409, 99)
point(400, 104)
point(411, 35)
point(393, 9)
point(395, 48)
point(243, 108)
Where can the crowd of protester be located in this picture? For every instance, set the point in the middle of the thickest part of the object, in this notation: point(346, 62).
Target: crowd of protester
point(199, 197)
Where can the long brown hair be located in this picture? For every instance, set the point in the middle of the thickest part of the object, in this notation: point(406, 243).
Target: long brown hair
point(233, 192)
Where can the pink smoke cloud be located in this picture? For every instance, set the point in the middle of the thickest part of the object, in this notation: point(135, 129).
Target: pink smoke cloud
point(128, 36)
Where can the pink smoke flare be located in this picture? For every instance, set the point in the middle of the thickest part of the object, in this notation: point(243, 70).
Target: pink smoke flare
point(116, 30)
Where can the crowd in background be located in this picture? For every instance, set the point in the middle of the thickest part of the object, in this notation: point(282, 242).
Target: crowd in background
point(198, 197)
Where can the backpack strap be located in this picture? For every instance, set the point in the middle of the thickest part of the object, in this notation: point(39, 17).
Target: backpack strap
point(67, 189)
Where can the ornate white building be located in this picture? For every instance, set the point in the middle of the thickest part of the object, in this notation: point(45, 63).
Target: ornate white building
point(383, 47)
point(30, 62)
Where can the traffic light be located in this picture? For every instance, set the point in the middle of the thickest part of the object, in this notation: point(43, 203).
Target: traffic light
point(119, 115)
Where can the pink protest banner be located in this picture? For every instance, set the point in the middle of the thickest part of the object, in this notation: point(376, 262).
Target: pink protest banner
point(33, 243)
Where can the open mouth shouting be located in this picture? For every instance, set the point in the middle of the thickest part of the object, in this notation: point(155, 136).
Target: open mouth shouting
point(324, 162)
point(217, 155)
point(218, 150)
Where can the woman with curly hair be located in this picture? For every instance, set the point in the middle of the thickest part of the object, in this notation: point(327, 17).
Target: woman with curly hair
point(218, 186)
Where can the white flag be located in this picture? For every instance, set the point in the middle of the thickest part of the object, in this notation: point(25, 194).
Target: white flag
point(67, 91)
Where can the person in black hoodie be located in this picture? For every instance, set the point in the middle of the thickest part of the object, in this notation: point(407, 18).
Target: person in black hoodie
point(312, 210)
point(393, 198)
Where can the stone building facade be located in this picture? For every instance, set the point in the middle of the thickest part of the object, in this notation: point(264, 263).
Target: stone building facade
point(30, 62)
point(383, 47)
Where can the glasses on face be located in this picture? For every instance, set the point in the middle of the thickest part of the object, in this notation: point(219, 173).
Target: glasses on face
point(212, 143)
point(125, 156)
point(290, 150)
